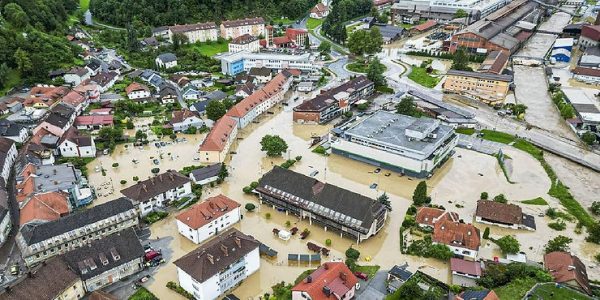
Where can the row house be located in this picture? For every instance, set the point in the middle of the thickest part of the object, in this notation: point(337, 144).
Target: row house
point(93, 122)
point(43, 97)
point(91, 91)
point(40, 242)
point(215, 146)
point(74, 144)
point(8, 155)
point(5, 216)
point(59, 120)
point(206, 219)
point(13, 131)
point(198, 32)
point(234, 28)
point(158, 191)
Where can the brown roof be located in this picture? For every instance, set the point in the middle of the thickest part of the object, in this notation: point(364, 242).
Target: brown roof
point(587, 71)
point(247, 104)
point(149, 188)
point(217, 254)
point(73, 98)
point(44, 207)
point(334, 275)
point(181, 115)
point(244, 39)
point(218, 135)
point(243, 22)
point(425, 26)
point(75, 137)
point(456, 234)
point(48, 282)
point(494, 62)
point(319, 8)
point(192, 27)
point(465, 266)
point(101, 295)
point(591, 31)
point(565, 267)
point(430, 215)
point(499, 212)
point(136, 87)
point(207, 211)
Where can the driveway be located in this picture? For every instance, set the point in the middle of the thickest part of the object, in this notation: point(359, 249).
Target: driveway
point(374, 289)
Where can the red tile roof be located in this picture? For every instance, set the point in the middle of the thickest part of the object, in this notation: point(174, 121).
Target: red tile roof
point(44, 207)
point(136, 87)
point(425, 26)
point(565, 267)
point(247, 104)
point(430, 215)
point(181, 115)
point(319, 9)
point(591, 32)
point(587, 71)
point(334, 275)
point(73, 98)
point(94, 120)
point(465, 266)
point(207, 211)
point(219, 134)
point(456, 234)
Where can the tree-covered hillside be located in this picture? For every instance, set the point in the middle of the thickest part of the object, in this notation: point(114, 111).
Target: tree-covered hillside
point(161, 12)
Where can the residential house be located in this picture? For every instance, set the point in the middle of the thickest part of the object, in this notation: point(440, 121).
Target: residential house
point(331, 280)
point(137, 91)
point(590, 36)
point(465, 272)
point(206, 175)
point(359, 218)
point(8, 155)
point(74, 144)
point(463, 239)
point(333, 102)
point(567, 269)
point(245, 42)
point(105, 80)
point(208, 218)
point(13, 131)
point(158, 191)
point(76, 100)
point(43, 97)
point(217, 95)
point(487, 87)
point(305, 86)
point(477, 295)
point(94, 67)
point(40, 242)
point(91, 93)
point(53, 280)
point(262, 75)
point(76, 76)
point(245, 89)
point(93, 122)
point(184, 119)
point(190, 92)
point(44, 207)
point(168, 94)
point(427, 216)
point(397, 276)
point(166, 61)
point(198, 32)
point(5, 216)
point(59, 120)
point(503, 215)
point(107, 260)
point(199, 107)
point(588, 75)
point(215, 146)
point(234, 28)
point(218, 265)
point(319, 11)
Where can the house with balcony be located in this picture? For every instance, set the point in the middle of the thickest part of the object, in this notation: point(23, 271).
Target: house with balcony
point(218, 265)
point(332, 280)
point(206, 219)
point(158, 191)
point(463, 239)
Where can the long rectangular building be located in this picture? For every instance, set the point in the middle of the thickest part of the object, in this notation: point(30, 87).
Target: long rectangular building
point(337, 209)
point(412, 146)
point(238, 62)
point(332, 103)
point(198, 32)
point(487, 87)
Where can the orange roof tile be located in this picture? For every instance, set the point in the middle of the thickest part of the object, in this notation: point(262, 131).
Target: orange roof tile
point(430, 215)
point(44, 207)
point(207, 211)
point(219, 134)
point(334, 275)
point(456, 234)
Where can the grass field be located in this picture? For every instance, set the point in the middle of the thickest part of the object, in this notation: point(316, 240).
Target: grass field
point(535, 201)
point(465, 131)
point(551, 291)
point(369, 270)
point(313, 23)
point(420, 76)
point(359, 67)
point(283, 21)
point(143, 294)
point(212, 48)
point(516, 289)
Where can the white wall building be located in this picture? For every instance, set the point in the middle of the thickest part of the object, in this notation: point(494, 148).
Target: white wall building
point(243, 61)
point(205, 220)
point(158, 191)
point(244, 42)
point(8, 155)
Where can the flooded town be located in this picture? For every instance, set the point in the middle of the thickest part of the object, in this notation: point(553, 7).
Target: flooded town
point(276, 150)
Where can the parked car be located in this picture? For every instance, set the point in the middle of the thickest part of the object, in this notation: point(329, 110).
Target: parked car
point(14, 270)
point(361, 275)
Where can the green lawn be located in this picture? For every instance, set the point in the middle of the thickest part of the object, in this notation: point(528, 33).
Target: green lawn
point(211, 49)
point(359, 67)
point(369, 270)
point(313, 23)
point(497, 136)
point(351, 28)
point(420, 76)
point(535, 201)
point(283, 21)
point(465, 131)
point(143, 294)
point(545, 292)
point(516, 289)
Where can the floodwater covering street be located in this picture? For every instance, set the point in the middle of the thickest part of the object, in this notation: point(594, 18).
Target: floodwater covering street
point(456, 185)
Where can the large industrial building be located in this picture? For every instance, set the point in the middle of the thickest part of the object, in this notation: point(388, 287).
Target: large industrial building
point(412, 146)
point(243, 61)
point(445, 9)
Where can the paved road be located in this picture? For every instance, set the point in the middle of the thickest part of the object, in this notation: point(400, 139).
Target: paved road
point(374, 289)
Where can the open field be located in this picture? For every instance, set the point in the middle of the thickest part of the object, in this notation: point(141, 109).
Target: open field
point(211, 49)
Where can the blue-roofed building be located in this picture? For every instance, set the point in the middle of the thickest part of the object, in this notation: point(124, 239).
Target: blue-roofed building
point(561, 54)
point(564, 43)
point(397, 276)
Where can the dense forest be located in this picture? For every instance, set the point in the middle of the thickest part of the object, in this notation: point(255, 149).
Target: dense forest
point(342, 11)
point(32, 38)
point(160, 12)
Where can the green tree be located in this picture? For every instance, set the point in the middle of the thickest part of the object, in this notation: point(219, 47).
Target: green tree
point(519, 109)
point(407, 106)
point(374, 42)
point(306, 43)
point(567, 111)
point(215, 110)
point(325, 47)
point(420, 195)
point(4, 71)
point(375, 72)
point(352, 253)
point(593, 234)
point(508, 244)
point(588, 137)
point(140, 135)
point(486, 233)
point(559, 243)
point(384, 199)
point(273, 145)
point(500, 198)
point(595, 208)
point(250, 207)
point(179, 39)
point(23, 61)
point(15, 15)
point(483, 196)
point(133, 44)
point(460, 60)
point(440, 251)
point(409, 290)
point(358, 42)
point(460, 13)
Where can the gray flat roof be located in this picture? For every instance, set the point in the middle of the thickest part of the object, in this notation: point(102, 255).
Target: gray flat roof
point(375, 127)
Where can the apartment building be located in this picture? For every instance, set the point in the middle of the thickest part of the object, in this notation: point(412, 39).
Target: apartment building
point(359, 218)
point(234, 28)
point(218, 265)
point(206, 219)
point(158, 191)
point(245, 42)
point(215, 146)
point(39, 242)
point(332, 103)
point(404, 144)
point(8, 155)
point(487, 87)
point(238, 62)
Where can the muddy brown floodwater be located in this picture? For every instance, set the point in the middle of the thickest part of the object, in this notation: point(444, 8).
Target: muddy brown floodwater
point(459, 181)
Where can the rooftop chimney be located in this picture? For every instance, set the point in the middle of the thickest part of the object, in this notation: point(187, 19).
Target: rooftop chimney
point(224, 249)
point(210, 258)
point(238, 242)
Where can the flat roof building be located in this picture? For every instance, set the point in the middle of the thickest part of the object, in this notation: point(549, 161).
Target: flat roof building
point(243, 61)
point(404, 144)
point(488, 87)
